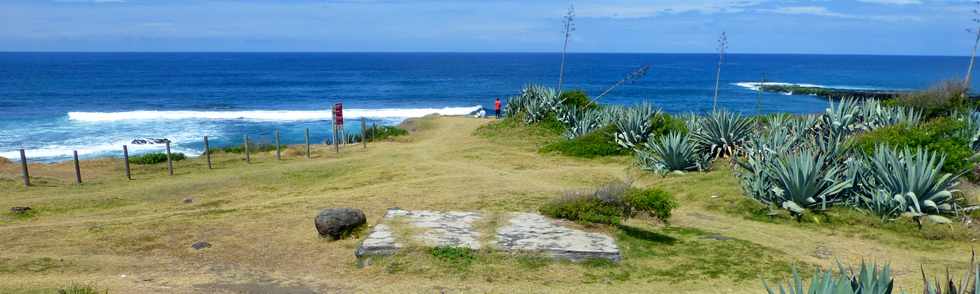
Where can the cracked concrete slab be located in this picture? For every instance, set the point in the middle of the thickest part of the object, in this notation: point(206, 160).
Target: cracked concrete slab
point(517, 232)
point(536, 233)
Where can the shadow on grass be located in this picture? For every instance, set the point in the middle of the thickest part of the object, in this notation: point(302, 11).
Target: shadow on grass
point(646, 235)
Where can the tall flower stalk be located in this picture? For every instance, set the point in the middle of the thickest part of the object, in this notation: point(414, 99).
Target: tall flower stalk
point(569, 27)
point(722, 46)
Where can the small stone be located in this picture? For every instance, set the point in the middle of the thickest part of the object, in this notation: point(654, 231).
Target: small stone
point(717, 237)
point(188, 200)
point(20, 209)
point(822, 252)
point(337, 222)
point(201, 245)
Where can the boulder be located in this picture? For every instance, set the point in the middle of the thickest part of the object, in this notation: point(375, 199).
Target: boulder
point(335, 223)
point(20, 209)
point(201, 245)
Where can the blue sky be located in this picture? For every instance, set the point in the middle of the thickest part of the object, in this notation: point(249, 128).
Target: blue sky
point(915, 27)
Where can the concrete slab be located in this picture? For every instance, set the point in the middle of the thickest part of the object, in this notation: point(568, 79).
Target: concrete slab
point(518, 232)
point(536, 233)
point(428, 228)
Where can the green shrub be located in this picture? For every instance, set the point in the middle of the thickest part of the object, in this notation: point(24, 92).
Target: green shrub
point(611, 204)
point(658, 203)
point(603, 206)
point(154, 158)
point(665, 123)
point(945, 98)
point(597, 143)
point(940, 135)
point(252, 148)
point(577, 98)
point(584, 209)
point(76, 288)
point(376, 133)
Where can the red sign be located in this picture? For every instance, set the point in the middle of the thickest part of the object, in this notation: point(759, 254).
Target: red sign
point(338, 114)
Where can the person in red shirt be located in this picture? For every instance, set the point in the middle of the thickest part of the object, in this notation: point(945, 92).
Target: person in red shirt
point(496, 107)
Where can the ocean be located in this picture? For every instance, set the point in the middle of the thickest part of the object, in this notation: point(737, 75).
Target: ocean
point(54, 103)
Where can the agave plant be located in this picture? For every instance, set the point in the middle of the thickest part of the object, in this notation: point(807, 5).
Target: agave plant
point(803, 181)
point(721, 133)
point(952, 287)
point(917, 174)
point(534, 103)
point(887, 206)
point(879, 116)
point(843, 118)
point(972, 130)
point(633, 126)
point(581, 122)
point(672, 152)
point(869, 280)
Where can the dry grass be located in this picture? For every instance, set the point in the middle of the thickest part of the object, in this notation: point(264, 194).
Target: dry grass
point(135, 236)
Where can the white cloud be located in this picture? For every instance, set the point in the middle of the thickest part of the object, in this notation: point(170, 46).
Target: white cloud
point(893, 2)
point(90, 1)
point(823, 11)
point(641, 9)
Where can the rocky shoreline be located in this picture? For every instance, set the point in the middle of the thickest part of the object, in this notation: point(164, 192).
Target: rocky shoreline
point(836, 93)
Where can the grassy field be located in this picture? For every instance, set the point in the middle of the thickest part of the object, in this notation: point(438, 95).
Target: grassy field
point(135, 236)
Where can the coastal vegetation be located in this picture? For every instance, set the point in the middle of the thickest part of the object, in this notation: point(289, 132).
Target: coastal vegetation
point(612, 203)
point(883, 160)
point(154, 158)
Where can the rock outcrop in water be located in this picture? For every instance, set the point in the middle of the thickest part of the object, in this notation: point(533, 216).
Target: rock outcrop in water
point(150, 141)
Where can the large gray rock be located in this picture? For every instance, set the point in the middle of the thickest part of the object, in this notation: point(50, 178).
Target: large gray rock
point(334, 223)
point(515, 232)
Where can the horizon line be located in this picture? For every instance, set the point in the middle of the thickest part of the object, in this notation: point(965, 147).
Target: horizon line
point(476, 52)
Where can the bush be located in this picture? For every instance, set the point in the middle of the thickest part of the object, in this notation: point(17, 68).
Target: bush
point(376, 133)
point(611, 204)
point(154, 158)
point(577, 98)
point(665, 123)
point(942, 99)
point(939, 135)
point(598, 143)
point(604, 205)
point(658, 203)
point(252, 148)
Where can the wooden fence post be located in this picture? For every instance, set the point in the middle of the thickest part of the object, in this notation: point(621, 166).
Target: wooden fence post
point(336, 143)
point(278, 151)
point(364, 132)
point(248, 159)
point(78, 169)
point(23, 167)
point(207, 151)
point(129, 176)
point(307, 143)
point(170, 160)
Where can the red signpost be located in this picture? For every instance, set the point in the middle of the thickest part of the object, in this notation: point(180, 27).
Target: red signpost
point(338, 124)
point(338, 114)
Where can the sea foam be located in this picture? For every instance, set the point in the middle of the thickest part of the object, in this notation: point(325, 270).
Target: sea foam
point(754, 86)
point(267, 115)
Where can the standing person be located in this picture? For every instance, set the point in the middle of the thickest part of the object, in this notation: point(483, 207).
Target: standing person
point(496, 107)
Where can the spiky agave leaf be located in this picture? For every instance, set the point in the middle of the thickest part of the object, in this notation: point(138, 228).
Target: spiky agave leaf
point(581, 122)
point(633, 126)
point(972, 130)
point(917, 173)
point(806, 182)
point(672, 152)
point(868, 280)
point(721, 133)
point(534, 103)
